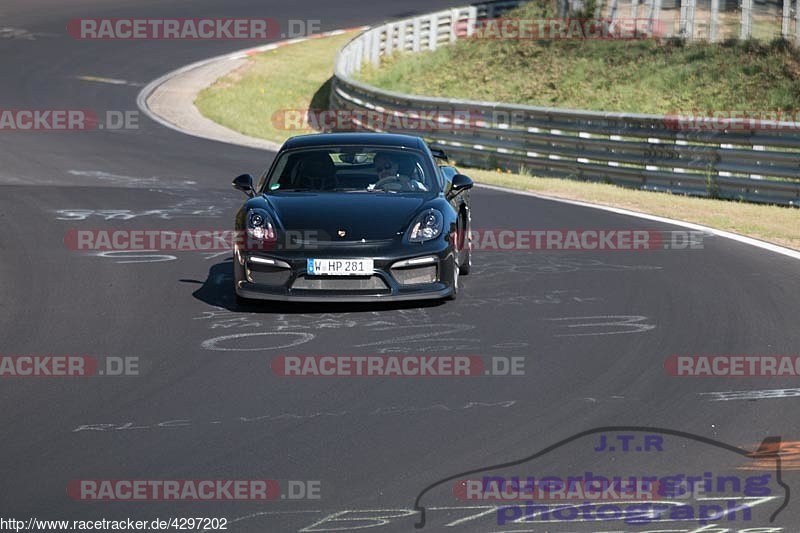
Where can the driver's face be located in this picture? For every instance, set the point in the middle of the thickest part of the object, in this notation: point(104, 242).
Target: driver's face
point(386, 167)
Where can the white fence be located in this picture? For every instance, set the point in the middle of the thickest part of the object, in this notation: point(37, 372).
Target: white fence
point(643, 151)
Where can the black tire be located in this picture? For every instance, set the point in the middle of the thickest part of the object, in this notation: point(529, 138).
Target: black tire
point(466, 265)
point(456, 271)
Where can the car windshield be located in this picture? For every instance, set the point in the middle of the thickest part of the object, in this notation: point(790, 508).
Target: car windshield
point(371, 169)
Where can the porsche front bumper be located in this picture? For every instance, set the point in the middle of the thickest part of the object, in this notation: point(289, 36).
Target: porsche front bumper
point(282, 275)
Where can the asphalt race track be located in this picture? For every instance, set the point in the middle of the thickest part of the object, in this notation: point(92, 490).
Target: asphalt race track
point(594, 328)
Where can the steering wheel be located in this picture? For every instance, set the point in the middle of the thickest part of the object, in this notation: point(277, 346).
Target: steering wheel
point(398, 180)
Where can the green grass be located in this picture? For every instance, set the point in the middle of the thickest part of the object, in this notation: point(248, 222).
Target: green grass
point(642, 76)
point(251, 99)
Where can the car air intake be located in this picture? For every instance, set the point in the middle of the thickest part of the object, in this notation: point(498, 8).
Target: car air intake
point(350, 283)
point(415, 275)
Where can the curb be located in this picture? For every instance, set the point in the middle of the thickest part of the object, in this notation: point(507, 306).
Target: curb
point(182, 102)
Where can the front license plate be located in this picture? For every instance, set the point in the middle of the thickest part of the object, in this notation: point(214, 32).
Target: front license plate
point(340, 267)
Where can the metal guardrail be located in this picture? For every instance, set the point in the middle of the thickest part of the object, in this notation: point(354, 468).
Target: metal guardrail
point(644, 151)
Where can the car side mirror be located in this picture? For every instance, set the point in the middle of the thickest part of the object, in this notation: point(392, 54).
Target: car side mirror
point(244, 183)
point(460, 184)
point(449, 172)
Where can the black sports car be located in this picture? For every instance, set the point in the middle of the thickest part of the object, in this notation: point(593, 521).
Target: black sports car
point(353, 217)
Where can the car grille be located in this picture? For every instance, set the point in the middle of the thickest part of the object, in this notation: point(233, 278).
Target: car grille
point(267, 275)
point(414, 275)
point(372, 283)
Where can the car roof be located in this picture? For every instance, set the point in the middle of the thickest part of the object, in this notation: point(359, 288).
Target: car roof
point(357, 139)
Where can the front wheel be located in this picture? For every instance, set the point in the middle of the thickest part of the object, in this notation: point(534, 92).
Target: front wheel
point(453, 295)
point(465, 244)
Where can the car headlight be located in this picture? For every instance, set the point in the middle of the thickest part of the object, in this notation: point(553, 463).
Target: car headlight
point(428, 225)
point(260, 225)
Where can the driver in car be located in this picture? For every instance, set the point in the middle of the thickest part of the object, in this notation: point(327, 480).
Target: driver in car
point(394, 178)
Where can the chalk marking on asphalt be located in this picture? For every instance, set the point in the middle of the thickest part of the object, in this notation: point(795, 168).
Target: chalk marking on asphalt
point(382, 519)
point(485, 510)
point(763, 394)
point(136, 256)
point(268, 513)
point(181, 210)
point(627, 321)
point(301, 338)
point(438, 330)
point(214, 255)
point(380, 411)
point(16, 33)
point(110, 81)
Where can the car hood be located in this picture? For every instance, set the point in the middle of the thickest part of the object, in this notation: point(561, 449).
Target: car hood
point(370, 216)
